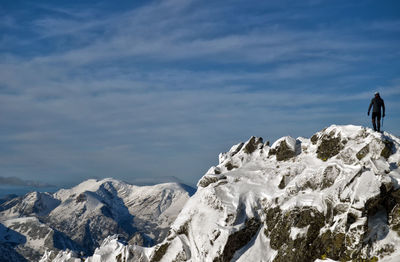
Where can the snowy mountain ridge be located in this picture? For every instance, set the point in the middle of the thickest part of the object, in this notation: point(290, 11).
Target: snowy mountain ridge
point(333, 197)
point(80, 218)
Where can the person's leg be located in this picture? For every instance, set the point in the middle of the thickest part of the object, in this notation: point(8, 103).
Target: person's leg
point(379, 122)
point(373, 120)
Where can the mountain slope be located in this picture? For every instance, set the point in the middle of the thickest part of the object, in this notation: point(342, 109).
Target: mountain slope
point(80, 218)
point(334, 196)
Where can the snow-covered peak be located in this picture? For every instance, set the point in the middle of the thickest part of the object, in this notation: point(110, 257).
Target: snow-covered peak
point(118, 187)
point(333, 142)
point(237, 156)
point(334, 196)
point(37, 203)
point(90, 185)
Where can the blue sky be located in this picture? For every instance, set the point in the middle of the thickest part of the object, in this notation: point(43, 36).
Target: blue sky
point(152, 91)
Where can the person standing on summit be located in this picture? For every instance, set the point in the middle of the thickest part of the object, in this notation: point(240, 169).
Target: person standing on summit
point(376, 104)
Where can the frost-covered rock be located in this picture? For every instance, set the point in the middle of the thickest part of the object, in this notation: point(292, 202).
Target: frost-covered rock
point(115, 249)
point(284, 148)
point(334, 197)
point(65, 256)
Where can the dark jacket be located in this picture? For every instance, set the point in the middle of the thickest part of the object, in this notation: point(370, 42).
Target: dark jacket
point(376, 104)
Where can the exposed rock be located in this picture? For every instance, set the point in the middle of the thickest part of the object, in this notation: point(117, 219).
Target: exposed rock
point(217, 170)
point(387, 151)
point(252, 144)
point(329, 147)
point(314, 139)
point(279, 226)
point(237, 149)
point(207, 180)
point(230, 166)
point(336, 245)
point(282, 184)
point(239, 239)
point(81, 198)
point(160, 252)
point(282, 150)
point(136, 239)
point(396, 195)
point(329, 176)
point(184, 229)
point(385, 250)
point(332, 245)
point(394, 219)
point(363, 152)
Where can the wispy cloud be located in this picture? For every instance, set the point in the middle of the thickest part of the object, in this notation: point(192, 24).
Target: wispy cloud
point(15, 181)
point(161, 88)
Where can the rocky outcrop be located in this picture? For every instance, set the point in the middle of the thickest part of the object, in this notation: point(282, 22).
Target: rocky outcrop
point(210, 179)
point(394, 218)
point(387, 151)
point(252, 145)
point(239, 239)
point(363, 152)
point(284, 149)
point(343, 208)
point(329, 145)
point(292, 233)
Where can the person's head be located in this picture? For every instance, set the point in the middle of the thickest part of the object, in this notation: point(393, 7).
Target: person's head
point(376, 94)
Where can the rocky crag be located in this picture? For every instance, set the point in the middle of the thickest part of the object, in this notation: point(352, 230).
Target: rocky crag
point(333, 197)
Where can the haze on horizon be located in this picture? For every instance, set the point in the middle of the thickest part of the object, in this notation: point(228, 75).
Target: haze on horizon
point(152, 91)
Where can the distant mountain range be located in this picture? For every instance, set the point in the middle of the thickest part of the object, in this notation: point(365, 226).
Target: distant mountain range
point(80, 218)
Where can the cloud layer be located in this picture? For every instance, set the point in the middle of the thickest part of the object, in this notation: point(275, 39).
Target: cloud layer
point(15, 181)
